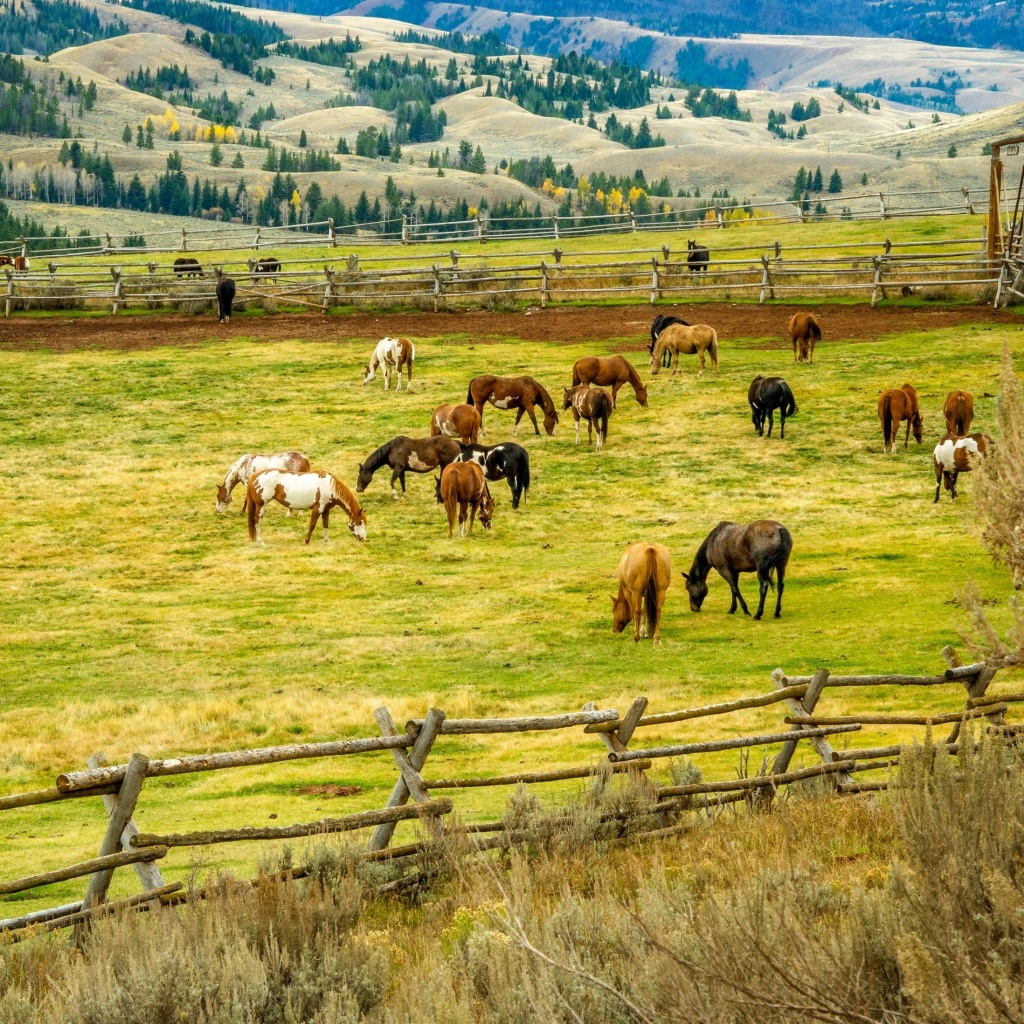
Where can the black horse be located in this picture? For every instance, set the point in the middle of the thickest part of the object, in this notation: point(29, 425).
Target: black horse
point(507, 460)
point(660, 323)
point(763, 547)
point(766, 394)
point(225, 296)
point(698, 258)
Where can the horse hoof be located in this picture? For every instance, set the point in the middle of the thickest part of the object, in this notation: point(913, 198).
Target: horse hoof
point(778, 615)
point(757, 617)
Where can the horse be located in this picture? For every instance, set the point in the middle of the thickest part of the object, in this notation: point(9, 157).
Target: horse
point(461, 421)
point(521, 393)
point(268, 267)
point(393, 354)
point(320, 492)
point(658, 325)
point(954, 455)
point(462, 485)
point(895, 406)
point(187, 266)
point(21, 264)
point(246, 465)
point(763, 547)
point(611, 370)
point(225, 296)
point(697, 339)
point(959, 412)
point(593, 405)
point(804, 332)
point(645, 573)
point(765, 395)
point(6, 261)
point(698, 258)
point(506, 461)
point(406, 454)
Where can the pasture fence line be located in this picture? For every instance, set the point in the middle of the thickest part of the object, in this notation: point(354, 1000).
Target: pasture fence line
point(416, 793)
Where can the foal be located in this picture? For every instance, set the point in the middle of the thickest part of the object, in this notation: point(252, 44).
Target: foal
point(645, 573)
point(593, 405)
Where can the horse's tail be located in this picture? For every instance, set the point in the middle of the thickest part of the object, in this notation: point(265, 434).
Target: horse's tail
point(651, 592)
point(713, 349)
point(961, 415)
point(814, 328)
point(523, 471)
point(250, 509)
point(790, 407)
point(781, 557)
point(469, 394)
point(606, 409)
point(887, 425)
point(575, 376)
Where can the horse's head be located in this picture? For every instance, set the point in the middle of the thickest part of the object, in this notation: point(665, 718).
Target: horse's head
point(223, 498)
point(691, 245)
point(437, 486)
point(364, 478)
point(641, 395)
point(550, 422)
point(566, 398)
point(655, 367)
point(357, 523)
point(367, 374)
point(620, 613)
point(486, 509)
point(917, 425)
point(697, 589)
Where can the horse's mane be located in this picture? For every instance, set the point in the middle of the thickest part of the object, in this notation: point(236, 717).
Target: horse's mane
point(545, 399)
point(342, 493)
point(377, 459)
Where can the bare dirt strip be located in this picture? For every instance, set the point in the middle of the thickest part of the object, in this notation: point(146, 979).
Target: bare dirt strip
point(567, 325)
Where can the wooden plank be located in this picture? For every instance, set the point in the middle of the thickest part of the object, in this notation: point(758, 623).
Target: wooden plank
point(743, 741)
point(363, 819)
point(85, 867)
point(11, 924)
point(995, 698)
point(943, 718)
point(976, 688)
point(759, 781)
point(46, 796)
point(464, 726)
point(556, 775)
point(106, 909)
point(232, 759)
point(632, 718)
point(882, 680)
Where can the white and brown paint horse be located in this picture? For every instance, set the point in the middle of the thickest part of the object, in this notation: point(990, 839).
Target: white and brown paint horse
point(593, 405)
point(954, 455)
point(246, 465)
point(464, 490)
point(461, 421)
point(520, 393)
point(319, 492)
point(392, 355)
point(645, 573)
point(407, 454)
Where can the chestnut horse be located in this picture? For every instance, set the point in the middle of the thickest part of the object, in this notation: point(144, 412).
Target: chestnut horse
point(959, 412)
point(407, 454)
point(731, 548)
point(393, 354)
point(461, 421)
point(521, 393)
point(609, 370)
point(246, 465)
point(645, 573)
point(593, 405)
point(689, 341)
point(895, 406)
point(463, 486)
point(804, 332)
point(320, 492)
point(954, 455)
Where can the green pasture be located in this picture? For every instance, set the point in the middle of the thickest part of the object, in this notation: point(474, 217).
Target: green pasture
point(134, 617)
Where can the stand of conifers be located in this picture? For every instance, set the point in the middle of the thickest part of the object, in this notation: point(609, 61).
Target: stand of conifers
point(416, 794)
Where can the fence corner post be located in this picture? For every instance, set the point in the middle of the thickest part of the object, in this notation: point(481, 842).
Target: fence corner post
point(554, 224)
point(184, 240)
point(328, 288)
point(405, 229)
point(118, 293)
point(437, 286)
point(331, 240)
point(655, 281)
point(543, 284)
point(10, 290)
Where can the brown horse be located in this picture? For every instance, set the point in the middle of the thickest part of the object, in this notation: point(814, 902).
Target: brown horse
point(959, 412)
point(689, 341)
point(954, 455)
point(645, 573)
point(463, 486)
point(804, 331)
point(607, 371)
point(407, 454)
point(461, 421)
point(593, 405)
point(895, 406)
point(521, 393)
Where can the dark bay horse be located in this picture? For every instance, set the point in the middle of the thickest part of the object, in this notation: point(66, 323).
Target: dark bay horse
point(659, 324)
point(959, 412)
point(405, 455)
point(521, 393)
point(225, 297)
point(506, 461)
point(731, 548)
point(697, 258)
point(593, 405)
point(765, 395)
point(609, 371)
point(895, 406)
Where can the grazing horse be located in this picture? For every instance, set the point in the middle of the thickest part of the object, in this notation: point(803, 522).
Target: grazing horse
point(895, 406)
point(731, 548)
point(317, 491)
point(657, 326)
point(954, 455)
point(394, 355)
point(461, 421)
point(267, 268)
point(21, 264)
point(645, 573)
point(804, 332)
point(246, 465)
point(698, 258)
point(959, 412)
point(6, 261)
point(607, 371)
point(501, 461)
point(406, 454)
point(765, 395)
point(462, 485)
point(187, 266)
point(677, 339)
point(521, 393)
point(593, 405)
point(225, 297)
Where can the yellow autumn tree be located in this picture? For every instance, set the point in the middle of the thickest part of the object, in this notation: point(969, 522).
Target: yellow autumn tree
point(296, 202)
point(613, 204)
point(583, 189)
point(199, 133)
point(230, 135)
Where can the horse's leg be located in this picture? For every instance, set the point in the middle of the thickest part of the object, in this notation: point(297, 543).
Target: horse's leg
point(260, 512)
point(324, 518)
point(472, 516)
point(636, 601)
point(906, 440)
point(519, 416)
point(480, 409)
point(700, 356)
point(577, 415)
point(660, 601)
point(739, 596)
point(615, 394)
point(952, 485)
point(771, 421)
point(533, 418)
point(463, 509)
point(782, 423)
point(590, 432)
point(780, 582)
point(513, 486)
point(312, 522)
point(762, 582)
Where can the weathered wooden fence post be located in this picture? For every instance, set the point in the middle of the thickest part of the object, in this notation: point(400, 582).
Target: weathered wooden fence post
point(332, 241)
point(766, 280)
point(655, 281)
point(118, 294)
point(437, 286)
point(110, 241)
point(256, 238)
point(480, 234)
point(878, 286)
point(543, 284)
point(24, 245)
point(967, 201)
point(184, 240)
point(554, 224)
point(405, 229)
point(666, 252)
point(976, 685)
point(52, 268)
point(328, 288)
point(557, 253)
point(453, 255)
point(719, 216)
point(883, 213)
point(10, 291)
point(632, 220)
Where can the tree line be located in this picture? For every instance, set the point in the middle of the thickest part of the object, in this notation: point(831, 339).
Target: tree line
point(52, 25)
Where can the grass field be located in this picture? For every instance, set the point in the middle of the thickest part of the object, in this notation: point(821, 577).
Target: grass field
point(136, 618)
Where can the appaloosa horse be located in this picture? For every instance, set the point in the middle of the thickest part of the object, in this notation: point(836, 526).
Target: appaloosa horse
point(645, 573)
point(765, 395)
point(463, 488)
point(689, 341)
point(407, 455)
point(959, 412)
point(461, 421)
point(246, 465)
point(319, 492)
point(609, 371)
point(954, 455)
point(731, 548)
point(593, 405)
point(895, 406)
point(659, 324)
point(500, 461)
point(393, 354)
point(520, 393)
point(804, 332)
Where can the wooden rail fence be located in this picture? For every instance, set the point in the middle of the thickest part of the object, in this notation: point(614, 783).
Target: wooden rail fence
point(421, 740)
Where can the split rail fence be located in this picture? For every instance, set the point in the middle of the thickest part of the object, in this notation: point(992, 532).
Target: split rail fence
point(418, 793)
point(951, 267)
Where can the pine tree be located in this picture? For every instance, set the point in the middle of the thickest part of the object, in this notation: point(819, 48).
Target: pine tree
point(465, 153)
point(818, 184)
point(238, 161)
point(302, 139)
point(478, 165)
point(126, 135)
point(835, 183)
point(216, 156)
point(452, 71)
point(140, 138)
